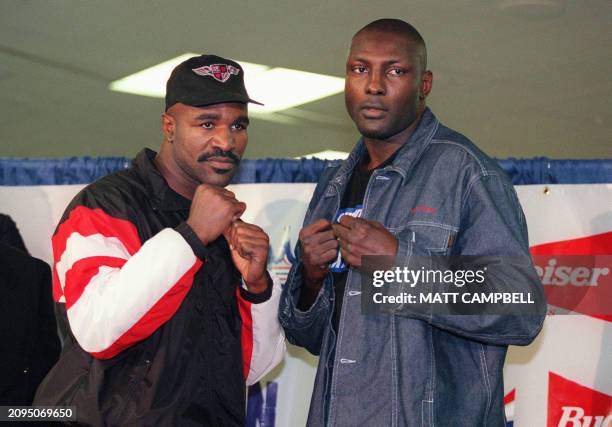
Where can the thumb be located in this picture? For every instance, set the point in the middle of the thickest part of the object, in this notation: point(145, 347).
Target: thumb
point(227, 233)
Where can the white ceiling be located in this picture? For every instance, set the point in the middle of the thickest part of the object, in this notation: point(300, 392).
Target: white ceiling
point(522, 82)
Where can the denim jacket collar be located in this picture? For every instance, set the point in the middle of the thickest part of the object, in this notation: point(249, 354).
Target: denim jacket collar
point(410, 151)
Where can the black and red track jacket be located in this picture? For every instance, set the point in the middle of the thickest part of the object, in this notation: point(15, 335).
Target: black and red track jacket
point(161, 330)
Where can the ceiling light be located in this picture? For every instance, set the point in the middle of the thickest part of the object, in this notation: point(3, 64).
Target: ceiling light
point(533, 9)
point(326, 155)
point(277, 88)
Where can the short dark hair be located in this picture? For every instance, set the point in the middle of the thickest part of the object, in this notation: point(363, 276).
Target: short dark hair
point(403, 28)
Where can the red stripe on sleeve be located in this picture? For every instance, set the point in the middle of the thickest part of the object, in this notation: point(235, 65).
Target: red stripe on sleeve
point(81, 273)
point(246, 337)
point(155, 317)
point(87, 221)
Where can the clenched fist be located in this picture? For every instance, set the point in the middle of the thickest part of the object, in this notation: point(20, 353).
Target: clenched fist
point(212, 211)
point(249, 247)
point(359, 237)
point(319, 248)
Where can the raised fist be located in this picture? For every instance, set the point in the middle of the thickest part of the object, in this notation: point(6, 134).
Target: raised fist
point(212, 211)
point(319, 248)
point(249, 247)
point(359, 237)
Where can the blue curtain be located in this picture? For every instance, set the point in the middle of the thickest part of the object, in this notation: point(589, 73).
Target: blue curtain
point(71, 170)
point(82, 170)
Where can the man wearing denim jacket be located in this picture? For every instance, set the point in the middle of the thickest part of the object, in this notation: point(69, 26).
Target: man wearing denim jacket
point(411, 186)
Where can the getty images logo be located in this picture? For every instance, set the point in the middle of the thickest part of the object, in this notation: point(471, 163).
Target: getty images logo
point(573, 405)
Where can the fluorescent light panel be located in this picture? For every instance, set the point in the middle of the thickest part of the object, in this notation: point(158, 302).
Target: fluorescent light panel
point(326, 155)
point(277, 88)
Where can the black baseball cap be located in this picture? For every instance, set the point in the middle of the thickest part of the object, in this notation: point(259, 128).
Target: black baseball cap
point(206, 80)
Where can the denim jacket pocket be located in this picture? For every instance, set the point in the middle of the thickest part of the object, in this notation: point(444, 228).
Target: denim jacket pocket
point(405, 239)
point(432, 238)
point(422, 239)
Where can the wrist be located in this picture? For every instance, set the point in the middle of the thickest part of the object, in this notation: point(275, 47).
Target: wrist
point(257, 286)
point(313, 282)
point(203, 238)
point(192, 239)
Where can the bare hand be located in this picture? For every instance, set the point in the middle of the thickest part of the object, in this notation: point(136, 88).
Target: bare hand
point(359, 237)
point(249, 246)
point(212, 211)
point(319, 248)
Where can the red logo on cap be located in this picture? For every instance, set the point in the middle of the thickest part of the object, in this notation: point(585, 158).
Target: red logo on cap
point(219, 72)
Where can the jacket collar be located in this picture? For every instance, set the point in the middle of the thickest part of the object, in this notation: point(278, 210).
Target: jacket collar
point(161, 195)
point(406, 156)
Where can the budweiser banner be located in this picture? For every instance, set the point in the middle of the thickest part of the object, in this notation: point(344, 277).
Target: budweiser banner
point(562, 379)
point(572, 404)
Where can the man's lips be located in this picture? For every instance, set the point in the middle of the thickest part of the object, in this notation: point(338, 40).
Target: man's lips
point(221, 162)
point(373, 111)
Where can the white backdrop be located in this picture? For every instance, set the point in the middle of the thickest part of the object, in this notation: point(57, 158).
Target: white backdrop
point(564, 378)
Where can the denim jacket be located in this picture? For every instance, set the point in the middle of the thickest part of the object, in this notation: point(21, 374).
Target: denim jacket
point(440, 195)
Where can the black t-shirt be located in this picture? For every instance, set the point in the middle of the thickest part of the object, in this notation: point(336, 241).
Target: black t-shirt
point(351, 204)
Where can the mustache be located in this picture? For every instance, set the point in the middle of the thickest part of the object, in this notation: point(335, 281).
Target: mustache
point(217, 152)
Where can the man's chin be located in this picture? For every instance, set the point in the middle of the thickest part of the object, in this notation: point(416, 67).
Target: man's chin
point(219, 178)
point(375, 133)
point(224, 172)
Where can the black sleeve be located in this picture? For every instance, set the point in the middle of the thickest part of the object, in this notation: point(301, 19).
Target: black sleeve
point(9, 233)
point(47, 345)
point(260, 297)
point(199, 248)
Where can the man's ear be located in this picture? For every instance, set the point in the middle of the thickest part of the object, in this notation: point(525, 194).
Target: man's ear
point(168, 125)
point(426, 84)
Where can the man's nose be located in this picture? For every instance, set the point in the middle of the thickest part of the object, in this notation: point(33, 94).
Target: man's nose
point(375, 85)
point(224, 139)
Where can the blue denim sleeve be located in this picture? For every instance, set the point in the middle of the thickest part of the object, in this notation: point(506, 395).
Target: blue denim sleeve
point(492, 226)
point(304, 328)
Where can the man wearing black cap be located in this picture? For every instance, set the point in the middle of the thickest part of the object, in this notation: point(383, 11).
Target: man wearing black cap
point(170, 307)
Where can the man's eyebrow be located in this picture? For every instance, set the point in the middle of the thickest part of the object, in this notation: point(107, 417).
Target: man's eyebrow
point(207, 116)
point(357, 59)
point(243, 119)
point(387, 62)
point(398, 61)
